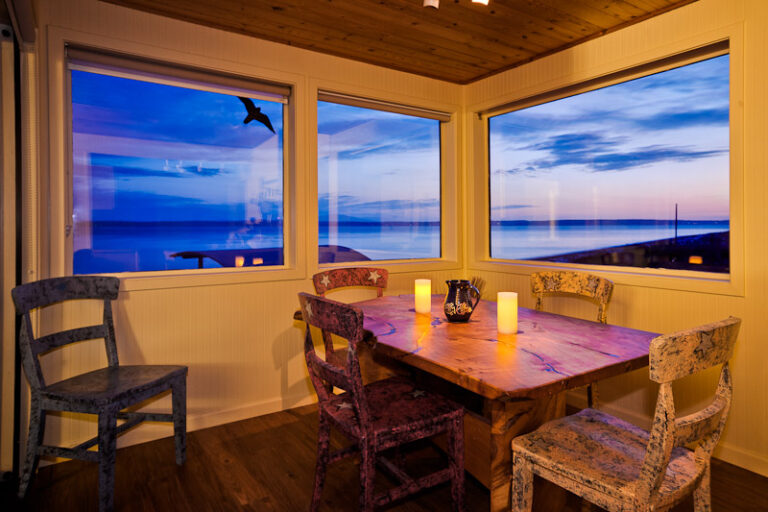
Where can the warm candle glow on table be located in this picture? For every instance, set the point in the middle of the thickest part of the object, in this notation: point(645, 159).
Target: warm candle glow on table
point(423, 290)
point(506, 312)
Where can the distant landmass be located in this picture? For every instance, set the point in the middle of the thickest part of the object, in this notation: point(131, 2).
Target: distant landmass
point(709, 252)
point(608, 222)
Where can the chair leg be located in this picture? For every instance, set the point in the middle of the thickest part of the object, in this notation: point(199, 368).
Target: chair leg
point(367, 475)
point(702, 496)
point(107, 452)
point(179, 405)
point(593, 398)
point(456, 454)
point(34, 440)
point(323, 442)
point(522, 485)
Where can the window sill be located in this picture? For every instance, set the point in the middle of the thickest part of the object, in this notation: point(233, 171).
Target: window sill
point(399, 266)
point(682, 280)
point(167, 279)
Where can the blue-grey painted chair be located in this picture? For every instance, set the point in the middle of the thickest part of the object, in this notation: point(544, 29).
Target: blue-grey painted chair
point(104, 392)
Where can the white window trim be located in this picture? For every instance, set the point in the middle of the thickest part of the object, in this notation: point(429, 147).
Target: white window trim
point(704, 282)
point(56, 185)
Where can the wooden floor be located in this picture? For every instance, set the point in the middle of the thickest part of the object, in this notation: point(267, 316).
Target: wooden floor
point(267, 464)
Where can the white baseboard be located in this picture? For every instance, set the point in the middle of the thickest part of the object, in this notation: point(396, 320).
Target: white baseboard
point(151, 431)
point(747, 459)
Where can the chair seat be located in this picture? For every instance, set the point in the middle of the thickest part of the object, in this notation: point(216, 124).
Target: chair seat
point(605, 453)
point(396, 406)
point(112, 384)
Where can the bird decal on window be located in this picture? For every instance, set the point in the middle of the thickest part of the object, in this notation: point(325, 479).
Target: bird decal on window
point(254, 114)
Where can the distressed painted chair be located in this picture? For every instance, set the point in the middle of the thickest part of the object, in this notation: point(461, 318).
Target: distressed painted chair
point(368, 277)
point(104, 392)
point(621, 467)
point(376, 417)
point(355, 277)
point(593, 287)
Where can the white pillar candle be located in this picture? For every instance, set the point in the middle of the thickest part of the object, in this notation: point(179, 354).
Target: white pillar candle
point(423, 290)
point(506, 312)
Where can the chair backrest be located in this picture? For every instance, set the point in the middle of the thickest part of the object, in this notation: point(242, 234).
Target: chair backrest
point(353, 276)
point(31, 296)
point(346, 321)
point(672, 357)
point(575, 283)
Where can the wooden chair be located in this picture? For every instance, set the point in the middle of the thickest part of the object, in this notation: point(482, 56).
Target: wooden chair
point(376, 417)
point(354, 276)
point(104, 392)
point(581, 284)
point(621, 467)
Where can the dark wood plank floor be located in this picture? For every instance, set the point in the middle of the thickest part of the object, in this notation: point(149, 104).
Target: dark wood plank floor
point(267, 464)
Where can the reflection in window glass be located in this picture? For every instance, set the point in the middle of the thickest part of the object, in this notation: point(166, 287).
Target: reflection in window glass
point(635, 174)
point(168, 178)
point(378, 185)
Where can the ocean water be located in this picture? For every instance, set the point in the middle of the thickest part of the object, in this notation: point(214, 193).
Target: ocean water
point(149, 246)
point(519, 242)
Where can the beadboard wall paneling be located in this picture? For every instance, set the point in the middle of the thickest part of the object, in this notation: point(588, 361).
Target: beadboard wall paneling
point(245, 354)
point(666, 309)
point(7, 249)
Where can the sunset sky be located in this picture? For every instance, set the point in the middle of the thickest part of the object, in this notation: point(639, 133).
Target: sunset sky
point(152, 152)
point(630, 151)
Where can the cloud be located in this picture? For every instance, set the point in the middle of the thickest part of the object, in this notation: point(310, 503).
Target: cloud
point(598, 153)
point(511, 207)
point(678, 119)
point(391, 210)
point(118, 166)
point(528, 170)
point(199, 170)
point(120, 107)
point(648, 155)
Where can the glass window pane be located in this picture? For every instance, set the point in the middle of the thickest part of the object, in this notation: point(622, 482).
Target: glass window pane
point(378, 185)
point(634, 174)
point(170, 178)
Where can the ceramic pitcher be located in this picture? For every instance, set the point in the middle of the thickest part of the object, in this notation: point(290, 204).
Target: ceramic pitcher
point(459, 303)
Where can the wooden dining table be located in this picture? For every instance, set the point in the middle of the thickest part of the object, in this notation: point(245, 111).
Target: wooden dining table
point(510, 383)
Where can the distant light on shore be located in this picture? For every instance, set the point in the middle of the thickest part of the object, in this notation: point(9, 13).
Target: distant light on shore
point(695, 260)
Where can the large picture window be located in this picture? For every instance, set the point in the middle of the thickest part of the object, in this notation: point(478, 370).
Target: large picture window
point(633, 174)
point(173, 174)
point(378, 184)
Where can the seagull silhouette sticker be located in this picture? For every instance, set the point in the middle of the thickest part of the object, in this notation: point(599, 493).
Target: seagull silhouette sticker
point(254, 114)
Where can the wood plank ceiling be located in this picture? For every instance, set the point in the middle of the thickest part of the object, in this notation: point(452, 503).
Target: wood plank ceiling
point(460, 42)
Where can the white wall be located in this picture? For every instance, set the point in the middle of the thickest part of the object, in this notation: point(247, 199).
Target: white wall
point(234, 329)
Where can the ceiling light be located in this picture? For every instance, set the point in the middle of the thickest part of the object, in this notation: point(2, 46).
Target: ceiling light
point(436, 3)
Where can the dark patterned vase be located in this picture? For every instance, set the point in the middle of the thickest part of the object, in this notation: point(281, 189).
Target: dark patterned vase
point(458, 305)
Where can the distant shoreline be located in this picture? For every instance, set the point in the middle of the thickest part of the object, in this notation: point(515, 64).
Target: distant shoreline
point(610, 222)
point(563, 222)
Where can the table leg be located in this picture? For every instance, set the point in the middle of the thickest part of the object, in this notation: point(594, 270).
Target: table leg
point(510, 419)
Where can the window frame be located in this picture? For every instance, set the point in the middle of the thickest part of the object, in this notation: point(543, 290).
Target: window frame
point(580, 81)
point(450, 220)
point(56, 250)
